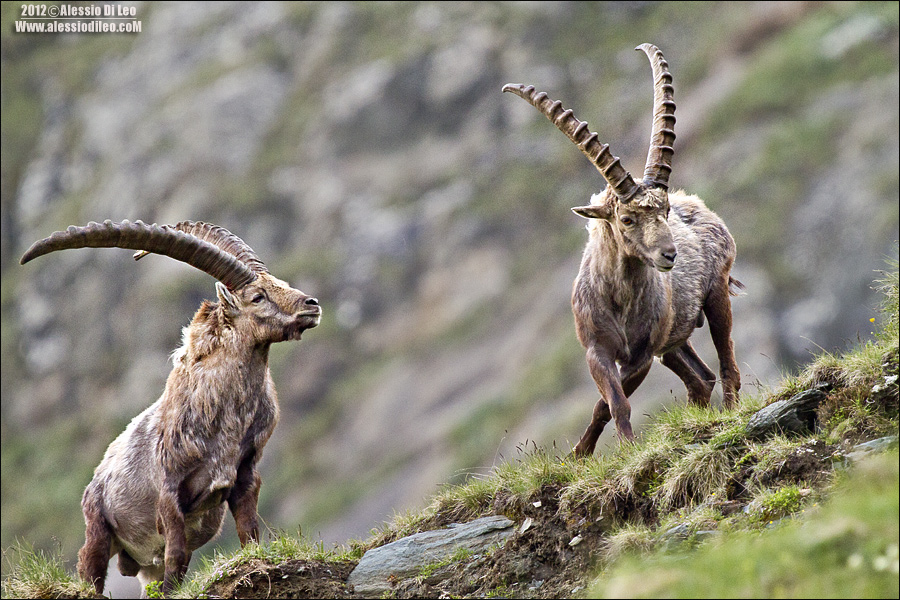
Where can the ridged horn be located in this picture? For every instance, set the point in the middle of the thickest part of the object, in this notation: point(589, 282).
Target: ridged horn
point(609, 166)
point(662, 136)
point(220, 237)
point(158, 239)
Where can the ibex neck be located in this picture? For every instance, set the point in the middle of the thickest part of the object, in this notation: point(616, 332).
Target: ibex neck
point(212, 340)
point(613, 269)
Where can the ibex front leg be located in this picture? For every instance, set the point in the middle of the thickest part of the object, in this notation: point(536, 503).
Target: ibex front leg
point(170, 523)
point(613, 402)
point(243, 501)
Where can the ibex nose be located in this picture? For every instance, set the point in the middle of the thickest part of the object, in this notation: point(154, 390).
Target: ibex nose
point(311, 301)
point(670, 256)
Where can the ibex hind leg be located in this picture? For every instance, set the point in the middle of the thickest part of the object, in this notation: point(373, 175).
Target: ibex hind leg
point(690, 368)
point(718, 313)
point(601, 416)
point(93, 558)
point(633, 377)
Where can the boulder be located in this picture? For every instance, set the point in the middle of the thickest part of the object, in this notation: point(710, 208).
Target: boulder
point(796, 415)
point(404, 558)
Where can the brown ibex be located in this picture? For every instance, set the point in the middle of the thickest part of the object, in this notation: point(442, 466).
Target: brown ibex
point(160, 491)
point(632, 300)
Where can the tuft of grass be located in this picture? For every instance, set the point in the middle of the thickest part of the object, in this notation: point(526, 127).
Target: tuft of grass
point(696, 476)
point(888, 286)
point(772, 505)
point(688, 424)
point(631, 475)
point(767, 455)
point(39, 574)
point(631, 539)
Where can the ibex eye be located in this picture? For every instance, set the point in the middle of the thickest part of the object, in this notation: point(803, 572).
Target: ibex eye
point(627, 221)
point(258, 298)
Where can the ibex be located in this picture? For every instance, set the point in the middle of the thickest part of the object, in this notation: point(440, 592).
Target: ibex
point(160, 491)
point(632, 300)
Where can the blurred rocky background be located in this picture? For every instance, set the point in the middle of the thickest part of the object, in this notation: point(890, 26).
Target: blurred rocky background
point(365, 151)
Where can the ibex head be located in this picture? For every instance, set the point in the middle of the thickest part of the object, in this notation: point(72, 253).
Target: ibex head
point(269, 310)
point(636, 211)
point(256, 305)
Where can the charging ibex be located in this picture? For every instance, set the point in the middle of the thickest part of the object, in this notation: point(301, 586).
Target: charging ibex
point(632, 300)
point(160, 491)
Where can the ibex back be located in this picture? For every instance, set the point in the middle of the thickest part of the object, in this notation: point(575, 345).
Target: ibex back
point(633, 299)
point(162, 487)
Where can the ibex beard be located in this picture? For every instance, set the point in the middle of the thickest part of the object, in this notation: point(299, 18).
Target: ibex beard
point(655, 264)
point(163, 486)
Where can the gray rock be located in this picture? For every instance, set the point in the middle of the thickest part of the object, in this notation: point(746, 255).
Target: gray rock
point(673, 538)
point(680, 531)
point(865, 449)
point(796, 415)
point(405, 557)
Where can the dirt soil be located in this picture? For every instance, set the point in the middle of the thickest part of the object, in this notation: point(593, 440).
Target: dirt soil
point(541, 562)
point(290, 579)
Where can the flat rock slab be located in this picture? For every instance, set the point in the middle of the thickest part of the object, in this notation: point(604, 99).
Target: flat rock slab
point(796, 415)
point(406, 557)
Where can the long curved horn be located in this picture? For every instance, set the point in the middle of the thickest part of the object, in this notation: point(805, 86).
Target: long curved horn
point(662, 137)
point(158, 239)
point(220, 237)
point(609, 166)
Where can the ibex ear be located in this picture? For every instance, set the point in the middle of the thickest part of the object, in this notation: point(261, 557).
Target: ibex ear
point(227, 300)
point(593, 211)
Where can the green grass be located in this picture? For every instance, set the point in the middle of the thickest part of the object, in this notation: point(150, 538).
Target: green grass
point(39, 574)
point(776, 504)
point(280, 548)
point(846, 548)
point(888, 286)
point(459, 555)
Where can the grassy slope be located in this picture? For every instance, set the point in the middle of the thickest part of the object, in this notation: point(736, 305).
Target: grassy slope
point(846, 548)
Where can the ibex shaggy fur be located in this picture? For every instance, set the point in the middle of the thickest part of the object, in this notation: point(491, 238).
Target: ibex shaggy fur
point(162, 487)
point(632, 299)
